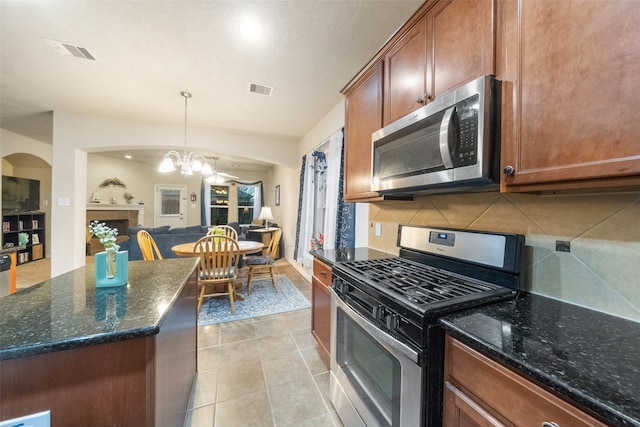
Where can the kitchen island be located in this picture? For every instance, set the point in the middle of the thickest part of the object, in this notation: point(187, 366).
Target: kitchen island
point(102, 356)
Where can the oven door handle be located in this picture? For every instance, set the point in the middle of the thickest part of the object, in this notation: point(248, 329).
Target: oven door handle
point(372, 330)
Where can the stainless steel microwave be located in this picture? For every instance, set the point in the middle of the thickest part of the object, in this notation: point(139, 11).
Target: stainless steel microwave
point(451, 144)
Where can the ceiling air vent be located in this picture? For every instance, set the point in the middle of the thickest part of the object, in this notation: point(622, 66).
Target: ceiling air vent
point(68, 49)
point(260, 89)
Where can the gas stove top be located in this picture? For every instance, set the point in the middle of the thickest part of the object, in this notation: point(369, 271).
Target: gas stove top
point(439, 271)
point(417, 283)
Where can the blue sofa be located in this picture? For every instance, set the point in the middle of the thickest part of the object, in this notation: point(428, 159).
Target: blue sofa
point(165, 238)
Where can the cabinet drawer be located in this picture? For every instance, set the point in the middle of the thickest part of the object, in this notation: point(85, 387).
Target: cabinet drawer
point(506, 395)
point(322, 271)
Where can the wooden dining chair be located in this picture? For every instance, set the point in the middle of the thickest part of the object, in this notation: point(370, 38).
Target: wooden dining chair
point(224, 230)
point(148, 246)
point(266, 263)
point(218, 267)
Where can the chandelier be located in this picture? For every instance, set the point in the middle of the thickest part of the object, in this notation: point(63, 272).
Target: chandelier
point(189, 162)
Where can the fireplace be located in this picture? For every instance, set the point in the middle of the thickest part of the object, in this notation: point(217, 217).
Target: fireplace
point(114, 216)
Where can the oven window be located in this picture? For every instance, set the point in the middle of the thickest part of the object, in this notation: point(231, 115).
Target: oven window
point(372, 370)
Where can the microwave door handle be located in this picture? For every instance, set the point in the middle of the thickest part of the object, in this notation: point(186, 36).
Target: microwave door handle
point(446, 130)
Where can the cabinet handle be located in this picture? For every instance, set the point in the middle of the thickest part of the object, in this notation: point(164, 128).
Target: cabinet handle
point(550, 424)
point(508, 170)
point(324, 273)
point(423, 100)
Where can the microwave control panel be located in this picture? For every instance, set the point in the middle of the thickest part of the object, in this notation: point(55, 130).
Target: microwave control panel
point(466, 151)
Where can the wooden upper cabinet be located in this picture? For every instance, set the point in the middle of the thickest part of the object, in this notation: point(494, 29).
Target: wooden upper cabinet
point(571, 113)
point(405, 74)
point(461, 43)
point(446, 43)
point(452, 44)
point(363, 116)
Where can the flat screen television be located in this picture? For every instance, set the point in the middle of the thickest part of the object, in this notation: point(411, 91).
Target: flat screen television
point(20, 194)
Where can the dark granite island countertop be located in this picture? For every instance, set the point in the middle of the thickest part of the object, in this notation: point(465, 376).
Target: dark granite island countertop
point(68, 311)
point(588, 357)
point(123, 355)
point(333, 256)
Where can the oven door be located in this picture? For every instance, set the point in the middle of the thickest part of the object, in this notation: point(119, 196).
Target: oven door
point(375, 379)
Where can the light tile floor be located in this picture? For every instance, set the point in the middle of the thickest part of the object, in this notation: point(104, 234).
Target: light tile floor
point(264, 371)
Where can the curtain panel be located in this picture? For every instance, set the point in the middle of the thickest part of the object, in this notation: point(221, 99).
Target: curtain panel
point(339, 217)
point(346, 213)
point(305, 215)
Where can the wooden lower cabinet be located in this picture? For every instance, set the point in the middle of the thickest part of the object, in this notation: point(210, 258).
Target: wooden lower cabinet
point(144, 382)
point(321, 307)
point(481, 392)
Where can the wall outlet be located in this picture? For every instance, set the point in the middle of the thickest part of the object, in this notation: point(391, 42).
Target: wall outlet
point(563, 246)
point(378, 229)
point(41, 419)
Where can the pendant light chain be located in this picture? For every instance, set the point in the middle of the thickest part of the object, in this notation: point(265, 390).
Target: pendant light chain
point(186, 95)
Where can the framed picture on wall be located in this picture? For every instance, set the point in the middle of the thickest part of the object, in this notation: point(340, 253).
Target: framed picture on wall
point(277, 195)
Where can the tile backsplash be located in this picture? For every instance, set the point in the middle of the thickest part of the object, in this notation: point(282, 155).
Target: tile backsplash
point(602, 269)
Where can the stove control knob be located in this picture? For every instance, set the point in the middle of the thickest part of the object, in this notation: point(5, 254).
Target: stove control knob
point(378, 312)
point(393, 321)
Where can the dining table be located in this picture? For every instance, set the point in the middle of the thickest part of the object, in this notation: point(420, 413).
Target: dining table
point(245, 247)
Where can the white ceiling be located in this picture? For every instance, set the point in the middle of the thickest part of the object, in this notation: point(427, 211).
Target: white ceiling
point(148, 51)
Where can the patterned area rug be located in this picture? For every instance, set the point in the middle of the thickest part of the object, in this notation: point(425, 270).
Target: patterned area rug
point(264, 300)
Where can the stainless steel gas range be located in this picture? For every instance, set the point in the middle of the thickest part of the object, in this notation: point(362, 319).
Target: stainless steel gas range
point(387, 346)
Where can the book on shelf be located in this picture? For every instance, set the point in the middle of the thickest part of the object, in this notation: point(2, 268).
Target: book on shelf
point(35, 239)
point(20, 225)
point(34, 223)
point(6, 226)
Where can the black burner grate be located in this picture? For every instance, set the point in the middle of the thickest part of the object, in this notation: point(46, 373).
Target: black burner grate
point(418, 283)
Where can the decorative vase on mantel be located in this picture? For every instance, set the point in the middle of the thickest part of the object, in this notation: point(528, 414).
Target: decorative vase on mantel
point(112, 268)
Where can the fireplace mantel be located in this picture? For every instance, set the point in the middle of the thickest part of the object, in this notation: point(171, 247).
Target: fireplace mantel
point(115, 207)
point(120, 217)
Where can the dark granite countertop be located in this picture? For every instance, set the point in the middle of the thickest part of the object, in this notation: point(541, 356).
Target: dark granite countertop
point(68, 311)
point(332, 256)
point(588, 357)
point(8, 249)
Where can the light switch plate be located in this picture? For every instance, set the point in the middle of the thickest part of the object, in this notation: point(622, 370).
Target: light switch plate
point(41, 419)
point(378, 229)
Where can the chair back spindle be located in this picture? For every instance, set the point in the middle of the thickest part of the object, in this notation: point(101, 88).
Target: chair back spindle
point(148, 246)
point(218, 266)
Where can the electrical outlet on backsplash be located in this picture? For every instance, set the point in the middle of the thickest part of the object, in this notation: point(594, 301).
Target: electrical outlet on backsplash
point(599, 272)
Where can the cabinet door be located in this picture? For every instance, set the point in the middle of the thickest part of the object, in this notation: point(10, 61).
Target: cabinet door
point(461, 43)
point(405, 74)
point(501, 393)
point(576, 95)
point(321, 314)
point(461, 411)
point(363, 117)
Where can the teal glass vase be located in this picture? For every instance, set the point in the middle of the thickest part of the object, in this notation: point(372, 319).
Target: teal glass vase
point(112, 268)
